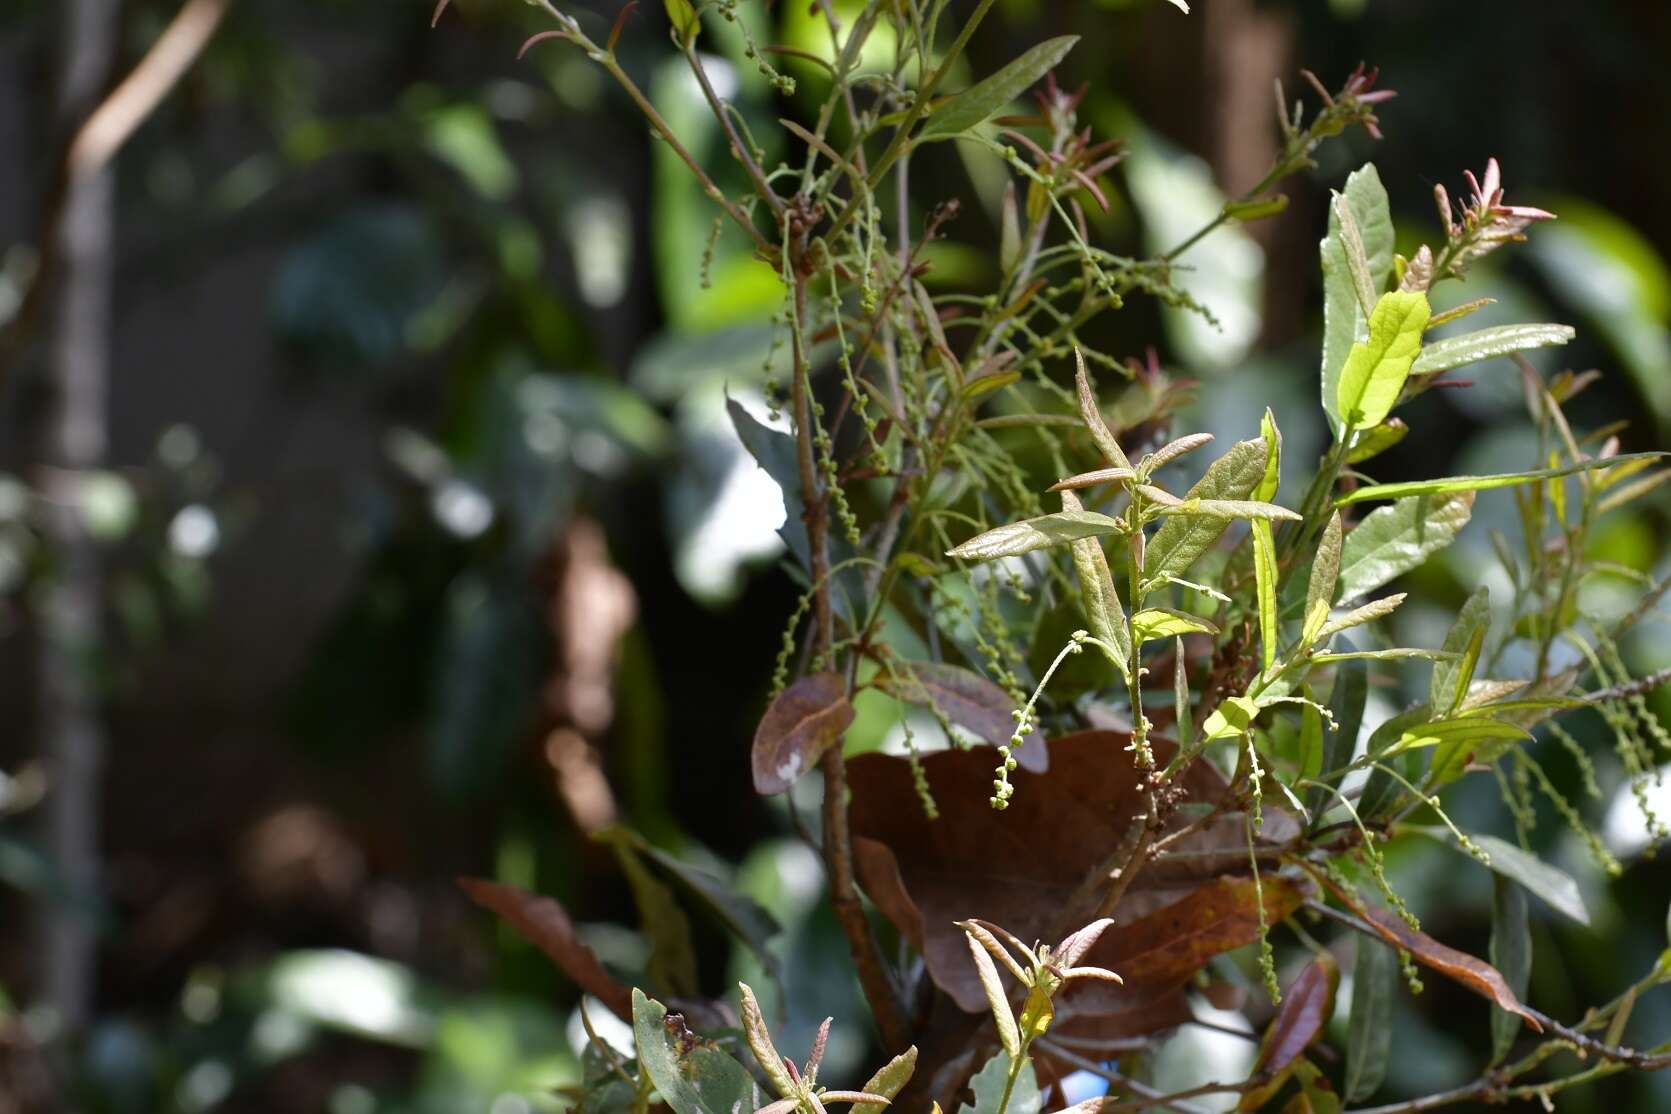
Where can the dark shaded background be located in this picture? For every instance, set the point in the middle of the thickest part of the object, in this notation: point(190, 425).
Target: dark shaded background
point(346, 247)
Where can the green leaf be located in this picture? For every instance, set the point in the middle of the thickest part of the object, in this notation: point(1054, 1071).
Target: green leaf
point(1393, 540)
point(889, 1079)
point(1372, 442)
point(682, 15)
point(1465, 639)
point(1381, 791)
point(996, 998)
point(1343, 319)
point(1486, 344)
point(1265, 575)
point(1029, 534)
point(1358, 616)
point(1511, 954)
point(1471, 740)
point(1185, 729)
point(1459, 734)
point(1163, 622)
point(1230, 719)
point(1449, 484)
point(1184, 537)
point(1369, 1030)
point(1325, 573)
point(988, 1085)
point(991, 95)
point(1268, 483)
point(1352, 247)
point(692, 1076)
point(760, 1043)
point(1346, 706)
point(1551, 883)
point(1397, 653)
point(1104, 613)
point(1376, 369)
point(1228, 509)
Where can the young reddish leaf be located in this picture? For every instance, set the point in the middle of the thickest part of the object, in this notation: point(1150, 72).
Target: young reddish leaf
point(804, 721)
point(440, 7)
point(1306, 1009)
point(540, 37)
point(964, 697)
point(545, 924)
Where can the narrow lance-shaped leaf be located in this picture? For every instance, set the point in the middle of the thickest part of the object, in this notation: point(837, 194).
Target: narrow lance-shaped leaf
point(996, 998)
point(1372, 442)
point(1185, 727)
point(888, 1081)
point(1358, 616)
point(1183, 538)
point(1228, 509)
point(1465, 639)
point(1352, 249)
point(1163, 622)
point(1448, 484)
point(1306, 1008)
point(1104, 613)
point(1272, 436)
point(1091, 414)
point(760, 1043)
point(543, 922)
point(989, 96)
point(1487, 344)
point(1369, 1028)
point(672, 963)
point(1016, 538)
point(1393, 540)
point(1265, 575)
point(1343, 319)
point(1511, 953)
point(805, 720)
point(1376, 368)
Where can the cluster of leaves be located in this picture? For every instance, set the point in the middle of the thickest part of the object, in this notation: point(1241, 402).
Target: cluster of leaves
point(1233, 638)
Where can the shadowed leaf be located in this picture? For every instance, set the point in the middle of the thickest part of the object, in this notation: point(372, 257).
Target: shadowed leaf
point(962, 696)
point(1369, 1030)
point(543, 922)
point(692, 1075)
point(989, 96)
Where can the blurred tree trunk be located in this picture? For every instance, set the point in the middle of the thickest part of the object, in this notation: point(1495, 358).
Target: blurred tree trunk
point(74, 440)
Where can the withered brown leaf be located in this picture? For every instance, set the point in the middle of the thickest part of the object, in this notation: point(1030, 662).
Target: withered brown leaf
point(805, 720)
point(963, 697)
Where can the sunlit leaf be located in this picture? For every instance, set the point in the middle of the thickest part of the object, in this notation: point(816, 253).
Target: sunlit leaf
point(1376, 368)
point(992, 1082)
point(1343, 319)
point(997, 998)
point(1265, 576)
point(1091, 415)
point(1466, 639)
point(888, 1080)
point(1393, 540)
point(1183, 538)
point(1104, 614)
point(1325, 573)
point(1358, 616)
point(1372, 442)
point(1163, 622)
point(1486, 344)
point(1016, 538)
point(1450, 484)
point(691, 1075)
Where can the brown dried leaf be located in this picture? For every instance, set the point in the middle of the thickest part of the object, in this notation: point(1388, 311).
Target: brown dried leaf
point(966, 699)
point(1021, 868)
point(804, 721)
point(543, 922)
point(1475, 974)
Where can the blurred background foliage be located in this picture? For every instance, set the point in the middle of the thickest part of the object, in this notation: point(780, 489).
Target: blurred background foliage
point(430, 548)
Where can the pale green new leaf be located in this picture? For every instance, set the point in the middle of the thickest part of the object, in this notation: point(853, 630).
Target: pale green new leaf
point(1376, 368)
point(1448, 484)
point(1486, 344)
point(888, 1081)
point(1104, 613)
point(1395, 539)
point(1029, 534)
point(1266, 491)
point(1230, 719)
point(1352, 247)
point(1453, 733)
point(1163, 622)
point(989, 1085)
point(991, 95)
point(1372, 442)
point(1398, 653)
point(1343, 320)
point(1230, 509)
point(1184, 537)
point(1325, 571)
point(1185, 729)
point(1265, 575)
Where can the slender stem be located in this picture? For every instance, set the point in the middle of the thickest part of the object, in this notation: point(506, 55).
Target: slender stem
point(738, 148)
